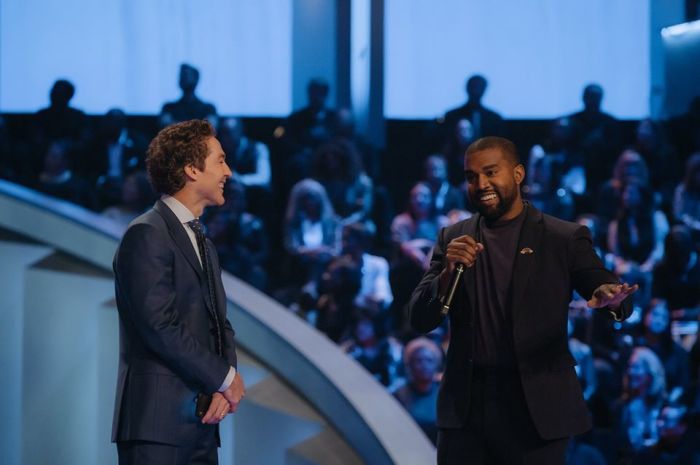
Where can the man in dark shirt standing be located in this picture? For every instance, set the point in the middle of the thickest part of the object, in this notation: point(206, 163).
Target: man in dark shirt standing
point(189, 106)
point(510, 392)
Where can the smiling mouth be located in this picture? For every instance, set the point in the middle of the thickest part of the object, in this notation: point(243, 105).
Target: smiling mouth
point(488, 197)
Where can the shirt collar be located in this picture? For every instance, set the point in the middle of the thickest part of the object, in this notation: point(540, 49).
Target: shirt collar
point(182, 212)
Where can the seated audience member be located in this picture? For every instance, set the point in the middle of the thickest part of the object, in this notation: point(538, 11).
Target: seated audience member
point(458, 139)
point(544, 184)
point(136, 196)
point(644, 391)
point(630, 168)
point(660, 157)
point(686, 200)
point(58, 179)
point(484, 121)
point(239, 238)
point(311, 231)
point(655, 333)
point(375, 291)
point(446, 197)
point(678, 441)
point(635, 238)
point(596, 135)
point(676, 277)
point(115, 150)
point(337, 167)
point(419, 395)
point(249, 159)
point(342, 128)
point(338, 289)
point(189, 106)
point(414, 231)
point(378, 354)
point(413, 235)
point(585, 369)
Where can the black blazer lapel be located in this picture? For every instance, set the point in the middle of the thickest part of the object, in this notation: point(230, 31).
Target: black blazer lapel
point(177, 232)
point(526, 255)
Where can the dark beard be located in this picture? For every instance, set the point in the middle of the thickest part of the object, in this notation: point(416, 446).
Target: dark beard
point(495, 212)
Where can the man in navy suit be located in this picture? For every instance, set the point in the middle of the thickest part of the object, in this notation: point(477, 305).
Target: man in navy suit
point(176, 345)
point(510, 393)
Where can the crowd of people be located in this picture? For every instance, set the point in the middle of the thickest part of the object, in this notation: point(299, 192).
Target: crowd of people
point(309, 220)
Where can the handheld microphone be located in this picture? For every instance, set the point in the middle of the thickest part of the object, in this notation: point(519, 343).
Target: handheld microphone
point(454, 282)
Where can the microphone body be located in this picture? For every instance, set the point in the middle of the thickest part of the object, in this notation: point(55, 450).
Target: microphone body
point(452, 288)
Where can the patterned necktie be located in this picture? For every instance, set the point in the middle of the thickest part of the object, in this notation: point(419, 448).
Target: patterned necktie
point(205, 257)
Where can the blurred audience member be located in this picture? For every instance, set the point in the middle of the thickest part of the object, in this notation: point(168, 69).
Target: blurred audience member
point(585, 369)
point(380, 355)
point(660, 157)
point(595, 135)
point(414, 231)
point(686, 201)
point(677, 444)
point(338, 289)
point(446, 197)
point(58, 179)
point(189, 106)
point(543, 186)
point(342, 128)
point(580, 453)
point(337, 167)
point(310, 126)
point(419, 395)
point(644, 391)
point(460, 136)
point(311, 235)
point(115, 150)
point(249, 159)
point(240, 238)
point(60, 120)
point(485, 122)
point(375, 291)
point(413, 234)
point(655, 333)
point(136, 195)
point(630, 168)
point(636, 238)
point(676, 277)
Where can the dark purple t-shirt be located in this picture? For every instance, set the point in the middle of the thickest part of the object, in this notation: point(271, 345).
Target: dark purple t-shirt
point(494, 269)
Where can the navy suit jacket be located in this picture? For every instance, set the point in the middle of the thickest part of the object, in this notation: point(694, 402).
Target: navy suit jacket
point(562, 260)
point(167, 342)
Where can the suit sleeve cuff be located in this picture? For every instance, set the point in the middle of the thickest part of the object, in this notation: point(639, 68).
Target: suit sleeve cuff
point(228, 380)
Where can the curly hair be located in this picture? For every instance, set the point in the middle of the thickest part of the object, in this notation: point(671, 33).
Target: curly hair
point(175, 147)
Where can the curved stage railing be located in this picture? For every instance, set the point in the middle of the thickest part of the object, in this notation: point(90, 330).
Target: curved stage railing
point(312, 375)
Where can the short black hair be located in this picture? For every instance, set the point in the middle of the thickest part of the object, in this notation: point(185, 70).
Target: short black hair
point(506, 146)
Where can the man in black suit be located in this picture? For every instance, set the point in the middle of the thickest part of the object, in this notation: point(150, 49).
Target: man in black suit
point(485, 122)
point(177, 352)
point(510, 393)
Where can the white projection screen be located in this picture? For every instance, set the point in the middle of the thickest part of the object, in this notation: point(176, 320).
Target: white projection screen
point(126, 53)
point(537, 55)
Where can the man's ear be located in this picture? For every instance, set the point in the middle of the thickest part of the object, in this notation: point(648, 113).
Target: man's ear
point(519, 173)
point(191, 172)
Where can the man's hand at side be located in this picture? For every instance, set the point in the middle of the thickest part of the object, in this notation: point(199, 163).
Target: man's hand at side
point(218, 409)
point(235, 392)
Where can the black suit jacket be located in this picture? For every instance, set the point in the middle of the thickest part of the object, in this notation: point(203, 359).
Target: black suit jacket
point(167, 347)
point(562, 259)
